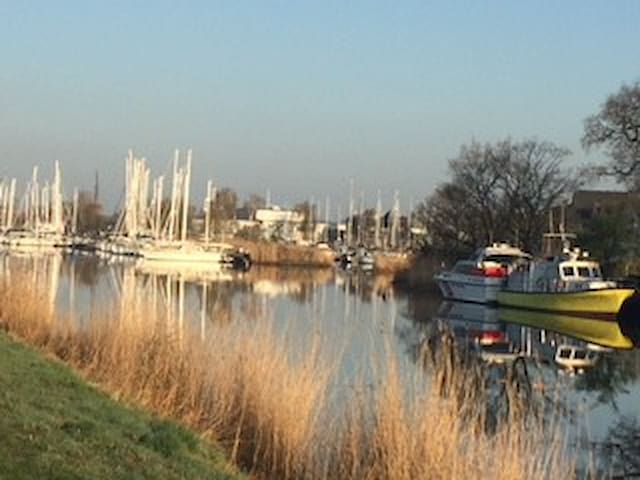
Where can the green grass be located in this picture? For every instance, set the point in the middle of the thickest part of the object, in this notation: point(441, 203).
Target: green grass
point(53, 425)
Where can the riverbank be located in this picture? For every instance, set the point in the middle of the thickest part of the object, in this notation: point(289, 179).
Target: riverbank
point(55, 425)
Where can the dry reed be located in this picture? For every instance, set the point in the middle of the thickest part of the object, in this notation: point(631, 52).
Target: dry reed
point(273, 253)
point(269, 408)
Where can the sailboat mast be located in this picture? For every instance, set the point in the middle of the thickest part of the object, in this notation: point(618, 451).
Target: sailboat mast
point(326, 219)
point(378, 215)
point(174, 195)
point(185, 206)
point(350, 218)
point(74, 217)
point(12, 195)
point(207, 212)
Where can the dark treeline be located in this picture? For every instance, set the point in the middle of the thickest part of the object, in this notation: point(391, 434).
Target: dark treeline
point(497, 192)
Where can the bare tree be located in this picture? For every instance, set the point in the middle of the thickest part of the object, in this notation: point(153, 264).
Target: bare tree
point(616, 129)
point(478, 171)
point(223, 208)
point(533, 181)
point(453, 230)
point(498, 192)
point(90, 213)
point(253, 203)
point(309, 216)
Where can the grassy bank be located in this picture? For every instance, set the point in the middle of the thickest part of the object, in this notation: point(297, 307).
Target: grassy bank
point(268, 402)
point(54, 425)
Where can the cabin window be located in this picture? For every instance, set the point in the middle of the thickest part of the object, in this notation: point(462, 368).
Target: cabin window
point(502, 259)
point(581, 354)
point(595, 272)
point(583, 271)
point(564, 353)
point(568, 271)
point(463, 268)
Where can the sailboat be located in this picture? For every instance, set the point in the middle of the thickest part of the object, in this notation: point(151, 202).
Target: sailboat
point(183, 250)
point(43, 225)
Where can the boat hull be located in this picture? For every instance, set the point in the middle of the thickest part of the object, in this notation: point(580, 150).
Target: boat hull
point(603, 301)
point(469, 288)
point(182, 257)
point(599, 331)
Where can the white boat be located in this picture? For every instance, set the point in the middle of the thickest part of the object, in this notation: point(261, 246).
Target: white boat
point(359, 258)
point(24, 239)
point(183, 251)
point(479, 278)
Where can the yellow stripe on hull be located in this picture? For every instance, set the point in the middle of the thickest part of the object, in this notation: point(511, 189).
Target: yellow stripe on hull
point(602, 332)
point(606, 300)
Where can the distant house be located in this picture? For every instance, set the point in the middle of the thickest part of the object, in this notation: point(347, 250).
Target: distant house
point(278, 223)
point(586, 205)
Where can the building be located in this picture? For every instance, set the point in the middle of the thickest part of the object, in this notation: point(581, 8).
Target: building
point(586, 205)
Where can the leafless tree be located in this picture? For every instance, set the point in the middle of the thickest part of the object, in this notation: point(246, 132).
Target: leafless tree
point(223, 208)
point(453, 229)
point(532, 182)
point(616, 129)
point(498, 192)
point(91, 217)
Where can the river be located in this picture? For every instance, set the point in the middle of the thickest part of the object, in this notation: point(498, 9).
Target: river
point(360, 318)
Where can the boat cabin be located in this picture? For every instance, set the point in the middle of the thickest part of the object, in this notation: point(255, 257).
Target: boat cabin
point(497, 260)
point(573, 357)
point(571, 271)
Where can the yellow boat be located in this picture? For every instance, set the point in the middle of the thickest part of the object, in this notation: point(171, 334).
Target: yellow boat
point(599, 331)
point(600, 301)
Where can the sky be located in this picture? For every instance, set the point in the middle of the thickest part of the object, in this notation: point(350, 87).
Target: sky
point(299, 97)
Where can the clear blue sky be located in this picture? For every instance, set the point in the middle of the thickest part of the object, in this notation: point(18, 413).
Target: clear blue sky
point(300, 96)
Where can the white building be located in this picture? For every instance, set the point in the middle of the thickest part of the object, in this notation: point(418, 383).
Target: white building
point(280, 223)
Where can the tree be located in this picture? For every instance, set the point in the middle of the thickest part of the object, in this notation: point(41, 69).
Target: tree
point(533, 181)
point(498, 192)
point(90, 214)
point(452, 228)
point(309, 217)
point(478, 171)
point(223, 208)
point(616, 129)
point(611, 239)
point(253, 203)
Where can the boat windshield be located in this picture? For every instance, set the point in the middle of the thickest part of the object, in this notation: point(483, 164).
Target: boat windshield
point(502, 259)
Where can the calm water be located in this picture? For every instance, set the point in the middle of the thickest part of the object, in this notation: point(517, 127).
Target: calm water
point(359, 318)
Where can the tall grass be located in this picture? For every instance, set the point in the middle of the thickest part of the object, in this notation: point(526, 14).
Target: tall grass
point(270, 407)
point(273, 253)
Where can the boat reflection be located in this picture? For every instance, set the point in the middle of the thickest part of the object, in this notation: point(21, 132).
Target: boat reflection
point(600, 331)
point(499, 335)
point(191, 272)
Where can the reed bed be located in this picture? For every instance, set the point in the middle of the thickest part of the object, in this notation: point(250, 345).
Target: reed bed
point(273, 253)
point(392, 263)
point(270, 407)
